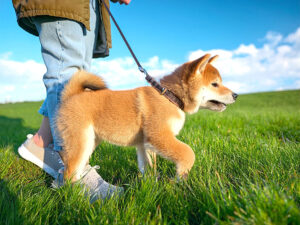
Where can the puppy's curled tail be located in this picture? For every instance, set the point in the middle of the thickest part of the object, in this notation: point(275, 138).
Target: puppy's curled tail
point(80, 82)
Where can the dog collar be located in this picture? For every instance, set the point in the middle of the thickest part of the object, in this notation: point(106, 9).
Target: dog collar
point(165, 92)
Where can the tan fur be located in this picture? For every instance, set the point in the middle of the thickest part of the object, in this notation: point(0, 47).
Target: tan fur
point(86, 80)
point(140, 117)
point(212, 59)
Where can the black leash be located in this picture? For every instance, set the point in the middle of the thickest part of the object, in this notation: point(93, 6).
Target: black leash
point(163, 91)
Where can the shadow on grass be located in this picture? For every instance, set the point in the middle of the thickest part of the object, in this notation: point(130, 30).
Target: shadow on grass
point(9, 206)
point(13, 132)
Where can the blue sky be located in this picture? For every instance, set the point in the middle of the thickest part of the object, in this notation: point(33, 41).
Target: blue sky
point(257, 40)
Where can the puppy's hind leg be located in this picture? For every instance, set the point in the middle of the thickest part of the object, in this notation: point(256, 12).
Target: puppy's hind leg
point(146, 156)
point(141, 158)
point(151, 158)
point(78, 148)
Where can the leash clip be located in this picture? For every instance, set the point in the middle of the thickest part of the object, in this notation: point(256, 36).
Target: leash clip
point(142, 69)
point(164, 91)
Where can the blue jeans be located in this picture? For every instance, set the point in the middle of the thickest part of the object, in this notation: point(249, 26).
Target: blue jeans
point(67, 46)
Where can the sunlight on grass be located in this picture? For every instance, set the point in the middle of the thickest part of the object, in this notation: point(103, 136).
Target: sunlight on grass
point(246, 172)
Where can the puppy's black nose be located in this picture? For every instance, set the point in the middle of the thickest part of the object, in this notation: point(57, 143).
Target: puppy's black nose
point(235, 95)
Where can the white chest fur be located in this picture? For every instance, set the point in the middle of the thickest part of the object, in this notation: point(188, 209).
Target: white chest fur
point(176, 123)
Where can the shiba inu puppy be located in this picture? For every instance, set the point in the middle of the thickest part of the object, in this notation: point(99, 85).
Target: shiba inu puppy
point(91, 113)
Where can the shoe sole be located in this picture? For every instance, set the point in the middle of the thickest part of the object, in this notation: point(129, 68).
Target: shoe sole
point(27, 155)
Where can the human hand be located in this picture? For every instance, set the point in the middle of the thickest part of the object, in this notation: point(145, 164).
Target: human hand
point(124, 1)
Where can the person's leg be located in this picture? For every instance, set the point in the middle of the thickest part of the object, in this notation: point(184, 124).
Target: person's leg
point(43, 137)
point(63, 53)
point(66, 47)
point(63, 50)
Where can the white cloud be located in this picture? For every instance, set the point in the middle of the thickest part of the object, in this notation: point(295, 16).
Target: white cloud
point(123, 73)
point(238, 87)
point(248, 68)
point(251, 69)
point(30, 70)
point(7, 88)
point(273, 38)
point(294, 38)
point(20, 81)
point(247, 50)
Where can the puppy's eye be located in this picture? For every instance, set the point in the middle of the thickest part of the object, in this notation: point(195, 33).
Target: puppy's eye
point(214, 84)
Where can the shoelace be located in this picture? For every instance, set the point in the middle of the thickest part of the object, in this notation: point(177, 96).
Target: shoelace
point(96, 167)
point(59, 181)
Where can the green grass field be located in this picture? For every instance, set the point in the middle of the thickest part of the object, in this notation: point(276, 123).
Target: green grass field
point(246, 172)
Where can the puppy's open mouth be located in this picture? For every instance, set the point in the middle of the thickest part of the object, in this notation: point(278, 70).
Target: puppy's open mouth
point(215, 102)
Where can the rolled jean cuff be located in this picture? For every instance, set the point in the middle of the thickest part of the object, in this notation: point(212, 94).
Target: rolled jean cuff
point(43, 109)
point(57, 148)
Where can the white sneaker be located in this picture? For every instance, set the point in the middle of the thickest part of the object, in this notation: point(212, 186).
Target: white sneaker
point(93, 184)
point(97, 187)
point(45, 158)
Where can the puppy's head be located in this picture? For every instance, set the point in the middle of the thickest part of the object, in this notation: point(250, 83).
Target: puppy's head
point(204, 86)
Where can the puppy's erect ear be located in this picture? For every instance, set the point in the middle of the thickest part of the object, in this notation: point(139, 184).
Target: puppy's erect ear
point(212, 59)
point(198, 66)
